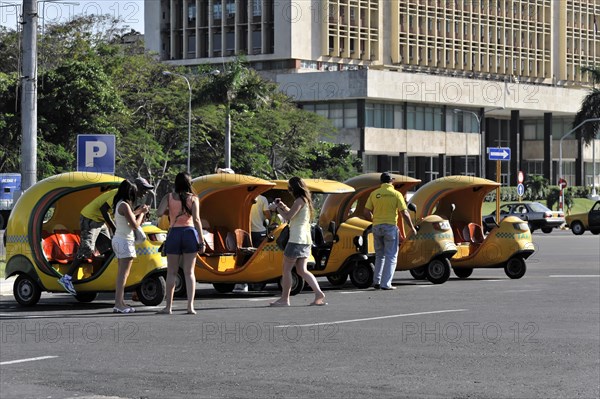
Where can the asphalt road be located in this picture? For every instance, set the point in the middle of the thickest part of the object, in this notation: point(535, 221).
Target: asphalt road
point(484, 337)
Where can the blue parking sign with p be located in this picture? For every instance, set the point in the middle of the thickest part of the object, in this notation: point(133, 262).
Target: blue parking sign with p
point(96, 153)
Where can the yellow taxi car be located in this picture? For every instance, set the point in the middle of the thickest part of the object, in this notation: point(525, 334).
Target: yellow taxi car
point(580, 222)
point(42, 238)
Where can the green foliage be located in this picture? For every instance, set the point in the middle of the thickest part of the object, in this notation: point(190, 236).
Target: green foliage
point(333, 161)
point(590, 109)
point(553, 198)
point(536, 188)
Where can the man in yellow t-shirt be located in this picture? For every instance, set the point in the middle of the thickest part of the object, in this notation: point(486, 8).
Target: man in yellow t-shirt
point(93, 223)
point(383, 207)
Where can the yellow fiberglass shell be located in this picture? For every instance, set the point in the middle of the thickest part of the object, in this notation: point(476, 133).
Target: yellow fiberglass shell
point(465, 192)
point(340, 208)
point(512, 237)
point(226, 198)
point(225, 203)
point(54, 204)
point(331, 189)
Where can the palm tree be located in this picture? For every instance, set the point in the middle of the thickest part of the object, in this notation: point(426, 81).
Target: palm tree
point(590, 109)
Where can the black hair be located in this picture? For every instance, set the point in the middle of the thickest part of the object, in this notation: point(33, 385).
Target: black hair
point(183, 187)
point(127, 192)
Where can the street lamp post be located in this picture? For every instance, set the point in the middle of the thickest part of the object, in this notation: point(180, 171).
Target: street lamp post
point(456, 111)
point(167, 73)
point(560, 168)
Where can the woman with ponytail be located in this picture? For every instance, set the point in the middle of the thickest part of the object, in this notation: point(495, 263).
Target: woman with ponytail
point(299, 244)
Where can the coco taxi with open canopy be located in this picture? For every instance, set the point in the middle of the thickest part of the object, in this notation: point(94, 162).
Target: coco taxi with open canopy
point(338, 255)
point(42, 238)
point(229, 258)
point(459, 199)
point(426, 252)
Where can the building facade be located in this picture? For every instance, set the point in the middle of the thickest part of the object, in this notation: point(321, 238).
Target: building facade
point(419, 87)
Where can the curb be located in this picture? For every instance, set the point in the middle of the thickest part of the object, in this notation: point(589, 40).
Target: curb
point(6, 286)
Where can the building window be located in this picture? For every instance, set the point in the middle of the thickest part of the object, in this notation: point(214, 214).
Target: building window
point(191, 12)
point(341, 114)
point(428, 118)
point(230, 8)
point(217, 10)
point(230, 41)
point(217, 42)
point(257, 8)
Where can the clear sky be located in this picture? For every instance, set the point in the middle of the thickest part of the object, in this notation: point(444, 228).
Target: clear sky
point(130, 11)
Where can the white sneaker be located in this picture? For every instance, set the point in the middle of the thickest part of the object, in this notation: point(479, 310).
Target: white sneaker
point(240, 288)
point(67, 284)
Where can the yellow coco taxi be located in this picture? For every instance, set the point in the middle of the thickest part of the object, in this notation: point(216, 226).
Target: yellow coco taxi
point(341, 219)
point(229, 258)
point(459, 199)
point(580, 222)
point(42, 237)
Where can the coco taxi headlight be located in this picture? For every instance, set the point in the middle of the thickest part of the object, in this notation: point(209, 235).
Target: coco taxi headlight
point(522, 226)
point(442, 226)
point(358, 241)
point(157, 237)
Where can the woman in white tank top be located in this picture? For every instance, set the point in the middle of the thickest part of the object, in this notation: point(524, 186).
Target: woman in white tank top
point(123, 240)
point(298, 247)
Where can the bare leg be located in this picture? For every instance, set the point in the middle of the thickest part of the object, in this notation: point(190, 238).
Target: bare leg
point(172, 268)
point(286, 281)
point(123, 273)
point(189, 262)
point(310, 279)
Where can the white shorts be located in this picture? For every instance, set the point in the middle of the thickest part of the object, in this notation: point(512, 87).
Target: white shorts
point(123, 248)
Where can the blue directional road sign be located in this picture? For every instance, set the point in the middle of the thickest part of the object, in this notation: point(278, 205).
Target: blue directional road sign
point(498, 153)
point(96, 153)
point(520, 189)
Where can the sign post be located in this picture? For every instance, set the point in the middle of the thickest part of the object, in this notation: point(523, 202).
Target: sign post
point(520, 186)
point(96, 153)
point(562, 184)
point(498, 154)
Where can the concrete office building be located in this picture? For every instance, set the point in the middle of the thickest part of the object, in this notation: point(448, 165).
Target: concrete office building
point(419, 87)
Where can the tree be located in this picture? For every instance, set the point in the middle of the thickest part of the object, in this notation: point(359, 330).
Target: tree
point(536, 187)
point(590, 109)
point(333, 161)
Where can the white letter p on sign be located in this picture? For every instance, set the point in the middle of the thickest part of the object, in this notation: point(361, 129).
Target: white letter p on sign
point(93, 150)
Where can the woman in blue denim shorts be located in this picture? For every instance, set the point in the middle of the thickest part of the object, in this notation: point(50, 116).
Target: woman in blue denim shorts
point(184, 239)
point(299, 244)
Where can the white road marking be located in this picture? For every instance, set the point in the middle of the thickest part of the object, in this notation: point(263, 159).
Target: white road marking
point(520, 291)
point(372, 318)
point(31, 359)
point(251, 299)
point(575, 275)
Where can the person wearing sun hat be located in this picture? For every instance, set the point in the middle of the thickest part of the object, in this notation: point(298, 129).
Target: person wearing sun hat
point(382, 208)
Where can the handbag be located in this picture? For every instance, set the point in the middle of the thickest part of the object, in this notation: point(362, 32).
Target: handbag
point(283, 238)
point(139, 235)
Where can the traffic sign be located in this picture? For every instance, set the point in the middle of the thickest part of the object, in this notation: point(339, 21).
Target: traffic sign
point(96, 153)
point(520, 177)
point(498, 153)
point(520, 189)
point(562, 183)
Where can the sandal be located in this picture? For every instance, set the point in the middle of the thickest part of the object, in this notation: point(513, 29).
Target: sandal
point(277, 304)
point(317, 304)
point(127, 309)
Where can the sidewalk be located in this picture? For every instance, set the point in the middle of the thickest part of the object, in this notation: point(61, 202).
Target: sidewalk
point(6, 286)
